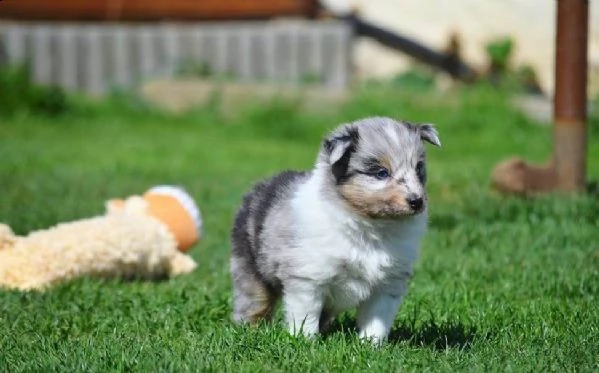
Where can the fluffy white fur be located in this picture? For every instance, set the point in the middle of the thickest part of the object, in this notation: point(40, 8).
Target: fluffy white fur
point(348, 261)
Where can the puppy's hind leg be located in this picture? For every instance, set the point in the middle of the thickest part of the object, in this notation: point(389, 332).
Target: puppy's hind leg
point(253, 300)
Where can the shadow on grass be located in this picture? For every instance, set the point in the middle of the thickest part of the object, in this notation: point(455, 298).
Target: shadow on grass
point(438, 336)
point(430, 334)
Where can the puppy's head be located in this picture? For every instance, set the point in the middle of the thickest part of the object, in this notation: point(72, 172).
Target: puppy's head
point(377, 166)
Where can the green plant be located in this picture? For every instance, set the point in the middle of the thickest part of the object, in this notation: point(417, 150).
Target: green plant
point(18, 94)
point(499, 52)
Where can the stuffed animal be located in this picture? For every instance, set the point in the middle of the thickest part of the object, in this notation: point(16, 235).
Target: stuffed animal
point(141, 237)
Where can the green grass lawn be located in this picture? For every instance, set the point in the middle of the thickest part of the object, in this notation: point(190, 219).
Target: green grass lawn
point(502, 285)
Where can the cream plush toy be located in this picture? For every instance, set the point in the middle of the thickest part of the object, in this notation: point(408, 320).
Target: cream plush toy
point(142, 237)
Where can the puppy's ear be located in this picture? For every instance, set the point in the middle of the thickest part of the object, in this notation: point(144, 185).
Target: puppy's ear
point(336, 147)
point(340, 143)
point(429, 133)
point(339, 147)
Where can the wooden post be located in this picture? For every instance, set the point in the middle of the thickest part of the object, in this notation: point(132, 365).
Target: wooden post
point(570, 110)
point(566, 171)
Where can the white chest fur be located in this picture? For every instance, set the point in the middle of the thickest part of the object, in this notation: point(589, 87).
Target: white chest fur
point(348, 256)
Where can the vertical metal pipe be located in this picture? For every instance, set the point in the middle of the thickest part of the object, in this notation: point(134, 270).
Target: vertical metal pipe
point(570, 111)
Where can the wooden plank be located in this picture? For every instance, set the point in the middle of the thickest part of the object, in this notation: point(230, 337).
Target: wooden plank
point(15, 44)
point(257, 55)
point(271, 53)
point(139, 10)
point(170, 43)
point(95, 82)
point(293, 35)
point(222, 37)
point(121, 56)
point(245, 52)
point(317, 59)
point(67, 51)
point(42, 63)
point(342, 61)
point(198, 52)
point(146, 51)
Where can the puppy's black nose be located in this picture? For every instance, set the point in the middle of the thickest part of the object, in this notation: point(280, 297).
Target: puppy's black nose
point(415, 202)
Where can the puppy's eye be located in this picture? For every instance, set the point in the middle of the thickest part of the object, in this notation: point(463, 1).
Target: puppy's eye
point(382, 174)
point(419, 166)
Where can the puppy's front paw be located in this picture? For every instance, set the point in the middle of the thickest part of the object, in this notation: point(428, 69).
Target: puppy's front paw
point(303, 306)
point(376, 339)
point(301, 331)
